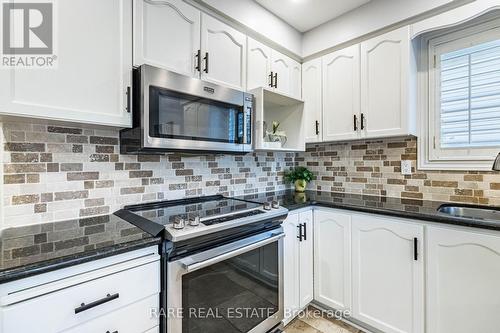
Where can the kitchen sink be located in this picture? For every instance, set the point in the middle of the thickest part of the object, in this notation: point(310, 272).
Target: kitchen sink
point(472, 212)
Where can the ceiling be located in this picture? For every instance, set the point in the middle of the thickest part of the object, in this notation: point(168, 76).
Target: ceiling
point(304, 15)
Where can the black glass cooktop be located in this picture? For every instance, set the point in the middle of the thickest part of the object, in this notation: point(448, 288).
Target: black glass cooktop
point(210, 210)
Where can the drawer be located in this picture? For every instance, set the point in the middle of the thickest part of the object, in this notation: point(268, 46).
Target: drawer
point(134, 318)
point(62, 309)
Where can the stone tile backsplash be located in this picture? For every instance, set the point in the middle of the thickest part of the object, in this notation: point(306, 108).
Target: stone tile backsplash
point(374, 167)
point(53, 173)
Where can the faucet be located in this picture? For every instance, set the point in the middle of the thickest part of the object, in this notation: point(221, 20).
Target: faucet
point(496, 164)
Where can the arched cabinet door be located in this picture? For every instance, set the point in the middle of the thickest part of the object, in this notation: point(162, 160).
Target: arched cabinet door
point(259, 65)
point(332, 258)
point(312, 95)
point(281, 65)
point(385, 84)
point(92, 75)
point(341, 116)
point(224, 54)
point(463, 270)
point(167, 35)
point(388, 274)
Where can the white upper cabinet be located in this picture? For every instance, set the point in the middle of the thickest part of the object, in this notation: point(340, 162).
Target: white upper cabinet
point(463, 271)
point(272, 70)
point(286, 75)
point(312, 95)
point(388, 274)
point(385, 85)
point(223, 53)
point(332, 259)
point(90, 82)
point(341, 95)
point(258, 65)
point(167, 35)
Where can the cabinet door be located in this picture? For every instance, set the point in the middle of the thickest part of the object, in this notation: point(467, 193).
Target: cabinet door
point(296, 80)
point(306, 260)
point(385, 68)
point(341, 95)
point(90, 82)
point(167, 35)
point(332, 259)
point(223, 52)
point(291, 267)
point(311, 92)
point(463, 271)
point(388, 283)
point(281, 66)
point(258, 65)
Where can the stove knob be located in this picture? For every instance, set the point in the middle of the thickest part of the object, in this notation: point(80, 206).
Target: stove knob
point(267, 206)
point(275, 204)
point(179, 223)
point(194, 221)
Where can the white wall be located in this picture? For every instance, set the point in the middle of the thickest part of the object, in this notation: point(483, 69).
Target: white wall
point(366, 19)
point(255, 17)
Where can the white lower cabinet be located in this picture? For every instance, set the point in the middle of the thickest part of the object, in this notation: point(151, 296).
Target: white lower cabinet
point(462, 281)
point(332, 259)
point(388, 273)
point(108, 295)
point(298, 263)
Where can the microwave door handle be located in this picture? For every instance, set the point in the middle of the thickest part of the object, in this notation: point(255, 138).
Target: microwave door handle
point(190, 266)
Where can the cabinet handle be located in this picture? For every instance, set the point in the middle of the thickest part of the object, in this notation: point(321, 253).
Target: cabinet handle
point(206, 62)
point(317, 127)
point(271, 79)
point(300, 232)
point(355, 123)
point(362, 121)
point(85, 307)
point(198, 61)
point(305, 231)
point(110, 332)
point(128, 99)
point(276, 80)
point(415, 249)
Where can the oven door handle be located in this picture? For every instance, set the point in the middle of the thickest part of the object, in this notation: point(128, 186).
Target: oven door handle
point(190, 266)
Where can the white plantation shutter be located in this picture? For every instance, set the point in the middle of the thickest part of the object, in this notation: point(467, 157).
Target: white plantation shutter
point(469, 83)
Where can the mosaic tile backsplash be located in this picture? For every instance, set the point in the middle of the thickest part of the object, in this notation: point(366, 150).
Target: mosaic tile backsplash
point(53, 173)
point(374, 167)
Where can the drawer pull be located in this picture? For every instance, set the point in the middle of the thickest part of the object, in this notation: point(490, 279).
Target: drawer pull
point(110, 332)
point(85, 307)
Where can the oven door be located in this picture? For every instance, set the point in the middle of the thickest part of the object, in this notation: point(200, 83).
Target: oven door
point(182, 113)
point(233, 288)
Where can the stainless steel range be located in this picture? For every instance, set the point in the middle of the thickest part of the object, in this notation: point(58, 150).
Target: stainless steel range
point(222, 263)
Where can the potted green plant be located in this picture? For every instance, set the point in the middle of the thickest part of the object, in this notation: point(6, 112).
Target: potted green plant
point(299, 176)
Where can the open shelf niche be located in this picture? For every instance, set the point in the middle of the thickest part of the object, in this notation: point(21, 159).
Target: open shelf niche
point(289, 112)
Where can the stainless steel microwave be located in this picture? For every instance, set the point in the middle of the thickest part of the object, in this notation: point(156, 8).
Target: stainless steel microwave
point(173, 112)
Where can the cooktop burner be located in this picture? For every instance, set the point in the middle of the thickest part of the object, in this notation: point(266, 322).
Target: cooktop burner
point(189, 218)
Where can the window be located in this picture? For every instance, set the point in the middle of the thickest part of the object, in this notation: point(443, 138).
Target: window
point(462, 124)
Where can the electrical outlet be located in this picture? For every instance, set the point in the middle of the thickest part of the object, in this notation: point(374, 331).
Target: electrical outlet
point(406, 167)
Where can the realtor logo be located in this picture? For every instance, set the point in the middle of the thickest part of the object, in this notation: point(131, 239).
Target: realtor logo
point(28, 35)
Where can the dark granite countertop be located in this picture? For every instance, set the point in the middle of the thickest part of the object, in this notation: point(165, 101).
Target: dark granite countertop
point(36, 249)
point(399, 207)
